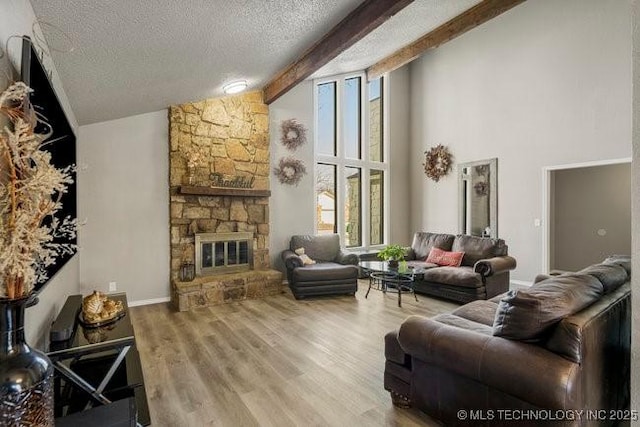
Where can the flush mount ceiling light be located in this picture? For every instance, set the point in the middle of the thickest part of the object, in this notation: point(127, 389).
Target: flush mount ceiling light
point(235, 87)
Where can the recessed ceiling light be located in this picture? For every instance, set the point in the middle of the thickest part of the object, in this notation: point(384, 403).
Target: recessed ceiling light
point(235, 87)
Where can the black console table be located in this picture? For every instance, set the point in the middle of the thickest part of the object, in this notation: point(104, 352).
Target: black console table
point(96, 366)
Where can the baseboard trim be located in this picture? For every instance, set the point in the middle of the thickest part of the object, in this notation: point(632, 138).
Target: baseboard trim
point(149, 301)
point(521, 282)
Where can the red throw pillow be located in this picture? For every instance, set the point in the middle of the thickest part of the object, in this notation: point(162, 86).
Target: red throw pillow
point(440, 257)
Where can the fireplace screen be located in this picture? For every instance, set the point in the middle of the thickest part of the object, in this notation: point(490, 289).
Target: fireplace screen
point(223, 252)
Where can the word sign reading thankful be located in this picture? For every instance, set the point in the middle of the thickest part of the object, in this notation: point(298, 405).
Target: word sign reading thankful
point(217, 180)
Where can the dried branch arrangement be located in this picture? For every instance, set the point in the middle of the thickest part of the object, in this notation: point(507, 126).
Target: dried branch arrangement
point(195, 156)
point(30, 191)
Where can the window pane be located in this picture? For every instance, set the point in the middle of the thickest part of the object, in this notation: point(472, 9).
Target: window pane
point(219, 254)
point(233, 253)
point(326, 198)
point(353, 210)
point(375, 120)
point(207, 255)
point(376, 197)
point(327, 119)
point(351, 112)
point(244, 252)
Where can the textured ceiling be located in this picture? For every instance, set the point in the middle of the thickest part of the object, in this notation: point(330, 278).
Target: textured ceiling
point(406, 26)
point(137, 56)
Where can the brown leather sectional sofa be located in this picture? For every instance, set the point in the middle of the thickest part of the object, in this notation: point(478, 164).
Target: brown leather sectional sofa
point(552, 350)
point(484, 271)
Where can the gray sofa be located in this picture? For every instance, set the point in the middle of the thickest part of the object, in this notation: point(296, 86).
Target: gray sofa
point(484, 272)
point(335, 271)
point(562, 344)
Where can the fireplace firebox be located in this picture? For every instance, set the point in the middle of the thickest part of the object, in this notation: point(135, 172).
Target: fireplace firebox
point(223, 252)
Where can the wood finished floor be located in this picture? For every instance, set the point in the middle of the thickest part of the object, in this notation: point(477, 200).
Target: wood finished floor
point(275, 361)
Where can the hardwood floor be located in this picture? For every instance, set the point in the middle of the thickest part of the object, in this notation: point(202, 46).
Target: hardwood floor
point(275, 361)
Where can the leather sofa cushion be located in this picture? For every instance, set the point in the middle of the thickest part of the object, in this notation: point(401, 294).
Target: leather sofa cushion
point(611, 276)
point(480, 311)
point(423, 242)
point(393, 351)
point(458, 276)
point(461, 322)
point(527, 314)
point(477, 248)
point(569, 336)
point(421, 265)
point(498, 298)
point(324, 271)
point(623, 261)
point(319, 248)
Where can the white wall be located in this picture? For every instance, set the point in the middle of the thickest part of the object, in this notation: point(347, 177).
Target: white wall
point(398, 101)
point(124, 199)
point(546, 83)
point(16, 18)
point(291, 208)
point(635, 218)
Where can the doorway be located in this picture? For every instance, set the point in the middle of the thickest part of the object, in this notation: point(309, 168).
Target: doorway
point(588, 213)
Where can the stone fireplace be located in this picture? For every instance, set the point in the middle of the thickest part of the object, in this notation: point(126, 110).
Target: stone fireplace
point(219, 200)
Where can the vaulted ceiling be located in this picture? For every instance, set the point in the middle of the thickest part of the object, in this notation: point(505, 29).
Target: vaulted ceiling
point(133, 57)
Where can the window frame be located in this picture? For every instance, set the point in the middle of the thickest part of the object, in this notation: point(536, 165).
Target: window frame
point(364, 163)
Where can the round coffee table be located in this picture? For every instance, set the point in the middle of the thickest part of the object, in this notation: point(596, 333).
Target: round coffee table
point(393, 281)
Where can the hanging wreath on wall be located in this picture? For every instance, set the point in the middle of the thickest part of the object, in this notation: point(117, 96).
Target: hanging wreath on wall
point(294, 134)
point(437, 162)
point(482, 188)
point(290, 171)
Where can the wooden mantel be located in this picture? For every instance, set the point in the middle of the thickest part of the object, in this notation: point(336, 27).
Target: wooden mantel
point(222, 191)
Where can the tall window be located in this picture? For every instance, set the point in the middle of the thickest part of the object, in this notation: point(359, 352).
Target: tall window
point(351, 168)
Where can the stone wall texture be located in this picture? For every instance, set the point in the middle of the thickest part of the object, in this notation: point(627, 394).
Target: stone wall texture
point(227, 136)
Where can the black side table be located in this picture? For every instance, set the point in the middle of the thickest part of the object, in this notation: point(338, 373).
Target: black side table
point(121, 413)
point(92, 359)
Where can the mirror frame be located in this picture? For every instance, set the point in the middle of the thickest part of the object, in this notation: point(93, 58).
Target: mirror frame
point(493, 194)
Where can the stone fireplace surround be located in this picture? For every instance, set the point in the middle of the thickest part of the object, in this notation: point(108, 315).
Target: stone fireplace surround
point(232, 136)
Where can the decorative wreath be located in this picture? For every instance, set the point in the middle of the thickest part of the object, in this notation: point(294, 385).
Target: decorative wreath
point(294, 134)
point(482, 170)
point(437, 162)
point(290, 171)
point(482, 188)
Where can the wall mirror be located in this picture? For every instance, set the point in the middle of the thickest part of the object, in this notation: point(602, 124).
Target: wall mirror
point(478, 198)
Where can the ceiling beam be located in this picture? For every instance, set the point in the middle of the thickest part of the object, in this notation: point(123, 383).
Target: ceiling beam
point(468, 20)
point(368, 16)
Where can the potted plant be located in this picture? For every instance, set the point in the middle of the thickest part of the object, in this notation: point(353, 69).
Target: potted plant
point(392, 254)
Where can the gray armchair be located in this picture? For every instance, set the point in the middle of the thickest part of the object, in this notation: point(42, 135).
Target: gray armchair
point(335, 271)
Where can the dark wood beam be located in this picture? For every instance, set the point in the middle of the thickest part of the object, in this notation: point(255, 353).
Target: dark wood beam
point(477, 15)
point(368, 16)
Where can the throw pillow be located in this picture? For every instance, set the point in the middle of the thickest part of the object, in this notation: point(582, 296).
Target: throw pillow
point(440, 257)
point(306, 260)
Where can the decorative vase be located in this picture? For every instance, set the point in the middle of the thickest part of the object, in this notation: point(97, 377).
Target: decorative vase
point(26, 374)
point(191, 176)
point(393, 263)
